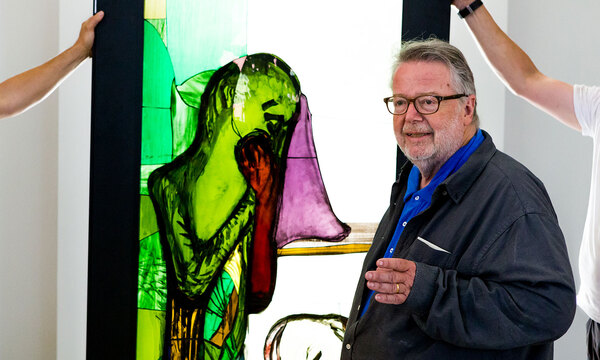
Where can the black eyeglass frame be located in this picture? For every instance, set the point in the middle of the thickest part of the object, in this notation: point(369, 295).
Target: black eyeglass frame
point(386, 100)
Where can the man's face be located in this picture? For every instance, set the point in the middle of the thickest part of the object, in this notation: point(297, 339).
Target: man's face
point(431, 139)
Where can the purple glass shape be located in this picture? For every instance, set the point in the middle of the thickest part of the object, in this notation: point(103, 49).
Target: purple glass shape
point(305, 211)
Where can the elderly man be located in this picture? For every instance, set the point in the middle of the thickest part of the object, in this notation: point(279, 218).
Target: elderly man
point(468, 262)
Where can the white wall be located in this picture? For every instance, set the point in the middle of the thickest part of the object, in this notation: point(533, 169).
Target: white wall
point(73, 184)
point(43, 236)
point(28, 190)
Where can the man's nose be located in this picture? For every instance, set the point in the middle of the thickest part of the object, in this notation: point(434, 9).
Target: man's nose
point(412, 113)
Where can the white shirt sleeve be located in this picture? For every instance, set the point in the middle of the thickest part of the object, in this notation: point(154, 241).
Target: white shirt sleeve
point(586, 100)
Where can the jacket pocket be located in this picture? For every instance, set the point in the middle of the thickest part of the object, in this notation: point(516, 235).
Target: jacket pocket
point(430, 252)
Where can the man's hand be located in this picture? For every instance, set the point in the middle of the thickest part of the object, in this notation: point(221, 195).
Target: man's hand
point(393, 280)
point(86, 35)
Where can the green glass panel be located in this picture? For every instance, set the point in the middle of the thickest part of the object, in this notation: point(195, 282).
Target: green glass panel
point(217, 304)
point(145, 171)
point(148, 225)
point(205, 35)
point(156, 136)
point(193, 88)
point(185, 103)
point(161, 28)
point(158, 70)
point(150, 332)
point(152, 277)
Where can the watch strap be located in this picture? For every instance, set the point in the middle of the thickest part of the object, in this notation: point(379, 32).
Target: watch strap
point(470, 9)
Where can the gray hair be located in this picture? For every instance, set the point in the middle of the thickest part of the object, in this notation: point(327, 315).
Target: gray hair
point(435, 50)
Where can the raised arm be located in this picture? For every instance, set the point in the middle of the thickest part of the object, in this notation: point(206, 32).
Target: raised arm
point(23, 91)
point(516, 69)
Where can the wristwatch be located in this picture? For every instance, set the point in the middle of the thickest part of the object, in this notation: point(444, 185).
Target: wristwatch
point(469, 9)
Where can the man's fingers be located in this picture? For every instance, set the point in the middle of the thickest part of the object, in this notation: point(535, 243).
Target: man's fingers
point(395, 299)
point(383, 276)
point(389, 276)
point(389, 288)
point(396, 264)
point(94, 20)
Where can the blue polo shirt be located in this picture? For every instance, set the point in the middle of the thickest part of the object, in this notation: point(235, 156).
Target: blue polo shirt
point(416, 201)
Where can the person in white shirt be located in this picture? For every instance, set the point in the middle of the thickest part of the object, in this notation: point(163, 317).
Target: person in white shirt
point(578, 107)
point(25, 90)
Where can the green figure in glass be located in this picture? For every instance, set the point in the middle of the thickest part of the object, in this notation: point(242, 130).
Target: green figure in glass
point(217, 205)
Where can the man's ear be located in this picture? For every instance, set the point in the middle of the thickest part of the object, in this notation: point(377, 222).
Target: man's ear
point(469, 110)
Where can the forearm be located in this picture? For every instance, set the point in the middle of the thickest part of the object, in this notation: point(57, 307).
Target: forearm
point(509, 61)
point(22, 91)
point(30, 87)
point(517, 70)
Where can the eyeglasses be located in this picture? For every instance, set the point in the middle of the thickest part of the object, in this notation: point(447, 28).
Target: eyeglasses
point(424, 104)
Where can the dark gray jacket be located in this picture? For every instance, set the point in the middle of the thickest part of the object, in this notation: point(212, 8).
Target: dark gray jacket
point(504, 289)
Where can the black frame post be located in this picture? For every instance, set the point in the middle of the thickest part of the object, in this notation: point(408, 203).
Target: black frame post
point(114, 181)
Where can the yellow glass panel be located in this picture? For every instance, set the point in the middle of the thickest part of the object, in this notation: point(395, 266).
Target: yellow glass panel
point(325, 250)
point(155, 9)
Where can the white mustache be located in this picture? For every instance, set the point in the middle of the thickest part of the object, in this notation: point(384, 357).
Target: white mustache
point(419, 129)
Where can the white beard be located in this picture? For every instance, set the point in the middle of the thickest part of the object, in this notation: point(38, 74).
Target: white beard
point(445, 144)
